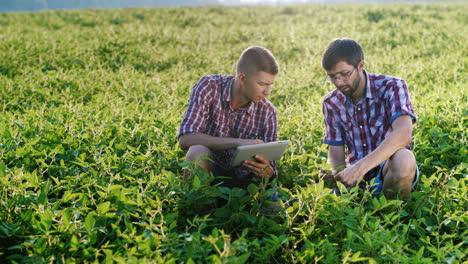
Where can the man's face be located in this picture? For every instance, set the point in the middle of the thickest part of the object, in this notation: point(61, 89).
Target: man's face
point(257, 86)
point(345, 77)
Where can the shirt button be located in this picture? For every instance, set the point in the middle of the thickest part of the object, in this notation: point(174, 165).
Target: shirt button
point(359, 109)
point(360, 126)
point(365, 145)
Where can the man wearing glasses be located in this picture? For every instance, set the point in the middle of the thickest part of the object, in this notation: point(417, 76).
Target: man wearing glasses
point(372, 116)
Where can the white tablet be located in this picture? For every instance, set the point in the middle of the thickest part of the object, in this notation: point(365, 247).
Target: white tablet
point(271, 151)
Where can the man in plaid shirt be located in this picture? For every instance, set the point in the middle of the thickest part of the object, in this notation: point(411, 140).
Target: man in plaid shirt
point(229, 111)
point(372, 116)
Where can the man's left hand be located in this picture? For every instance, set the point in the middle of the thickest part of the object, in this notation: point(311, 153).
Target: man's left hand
point(261, 168)
point(351, 175)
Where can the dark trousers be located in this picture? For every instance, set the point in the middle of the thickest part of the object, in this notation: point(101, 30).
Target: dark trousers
point(228, 179)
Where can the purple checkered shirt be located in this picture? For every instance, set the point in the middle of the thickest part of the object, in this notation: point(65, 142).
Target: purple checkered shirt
point(209, 111)
point(363, 126)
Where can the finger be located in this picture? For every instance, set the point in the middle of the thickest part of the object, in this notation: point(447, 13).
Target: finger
point(328, 177)
point(262, 159)
point(251, 168)
point(253, 163)
point(260, 171)
point(339, 177)
point(349, 182)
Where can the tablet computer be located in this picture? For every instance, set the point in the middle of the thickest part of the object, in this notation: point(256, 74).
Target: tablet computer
point(271, 151)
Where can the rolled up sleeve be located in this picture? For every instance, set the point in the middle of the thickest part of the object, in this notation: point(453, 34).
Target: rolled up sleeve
point(398, 101)
point(197, 113)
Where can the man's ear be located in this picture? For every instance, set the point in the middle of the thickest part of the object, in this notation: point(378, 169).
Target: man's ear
point(361, 65)
point(241, 78)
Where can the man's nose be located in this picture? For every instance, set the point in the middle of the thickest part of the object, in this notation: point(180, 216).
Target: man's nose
point(338, 81)
point(267, 90)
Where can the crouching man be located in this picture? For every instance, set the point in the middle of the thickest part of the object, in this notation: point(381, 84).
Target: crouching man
point(372, 116)
point(229, 111)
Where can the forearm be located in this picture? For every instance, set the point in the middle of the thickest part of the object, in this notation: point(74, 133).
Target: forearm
point(336, 157)
point(211, 142)
point(336, 164)
point(396, 140)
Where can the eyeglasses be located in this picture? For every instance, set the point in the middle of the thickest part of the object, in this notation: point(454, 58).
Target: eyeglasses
point(339, 76)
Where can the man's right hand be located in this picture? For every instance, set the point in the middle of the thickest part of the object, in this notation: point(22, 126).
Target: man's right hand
point(214, 143)
point(245, 142)
point(328, 175)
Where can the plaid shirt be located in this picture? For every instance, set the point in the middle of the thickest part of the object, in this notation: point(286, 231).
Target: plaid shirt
point(363, 126)
point(209, 111)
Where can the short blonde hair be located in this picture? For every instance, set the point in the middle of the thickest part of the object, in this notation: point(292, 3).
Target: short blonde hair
point(255, 59)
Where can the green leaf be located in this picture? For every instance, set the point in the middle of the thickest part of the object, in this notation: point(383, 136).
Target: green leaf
point(253, 189)
point(251, 218)
point(103, 208)
point(350, 222)
point(243, 258)
point(89, 222)
point(46, 220)
point(357, 257)
point(2, 169)
point(170, 217)
point(196, 182)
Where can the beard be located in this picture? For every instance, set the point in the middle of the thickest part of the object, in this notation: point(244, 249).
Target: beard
point(349, 90)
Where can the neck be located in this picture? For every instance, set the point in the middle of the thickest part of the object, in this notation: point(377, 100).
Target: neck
point(361, 88)
point(237, 99)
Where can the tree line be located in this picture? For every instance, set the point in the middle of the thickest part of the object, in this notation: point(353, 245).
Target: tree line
point(35, 5)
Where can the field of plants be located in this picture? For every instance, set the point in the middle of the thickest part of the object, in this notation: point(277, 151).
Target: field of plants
point(90, 167)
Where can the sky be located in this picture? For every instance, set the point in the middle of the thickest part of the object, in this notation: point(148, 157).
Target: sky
point(286, 2)
point(35, 5)
point(273, 2)
point(266, 1)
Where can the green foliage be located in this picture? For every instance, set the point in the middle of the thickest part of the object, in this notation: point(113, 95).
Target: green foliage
point(90, 168)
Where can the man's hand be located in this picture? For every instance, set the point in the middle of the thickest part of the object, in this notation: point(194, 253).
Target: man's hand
point(251, 142)
point(214, 143)
point(351, 175)
point(261, 168)
point(328, 175)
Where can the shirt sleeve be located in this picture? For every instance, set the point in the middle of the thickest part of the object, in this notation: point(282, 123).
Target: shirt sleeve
point(398, 101)
point(197, 113)
point(333, 135)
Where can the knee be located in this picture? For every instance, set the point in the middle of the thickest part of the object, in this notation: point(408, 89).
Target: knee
point(403, 156)
point(403, 160)
point(196, 151)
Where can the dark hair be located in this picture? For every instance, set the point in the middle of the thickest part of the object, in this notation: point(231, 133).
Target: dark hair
point(344, 49)
point(255, 59)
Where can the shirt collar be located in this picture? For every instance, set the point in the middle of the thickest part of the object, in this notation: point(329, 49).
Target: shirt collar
point(369, 88)
point(227, 96)
point(227, 90)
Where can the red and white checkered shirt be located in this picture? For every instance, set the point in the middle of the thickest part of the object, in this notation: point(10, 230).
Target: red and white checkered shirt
point(209, 111)
point(363, 126)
